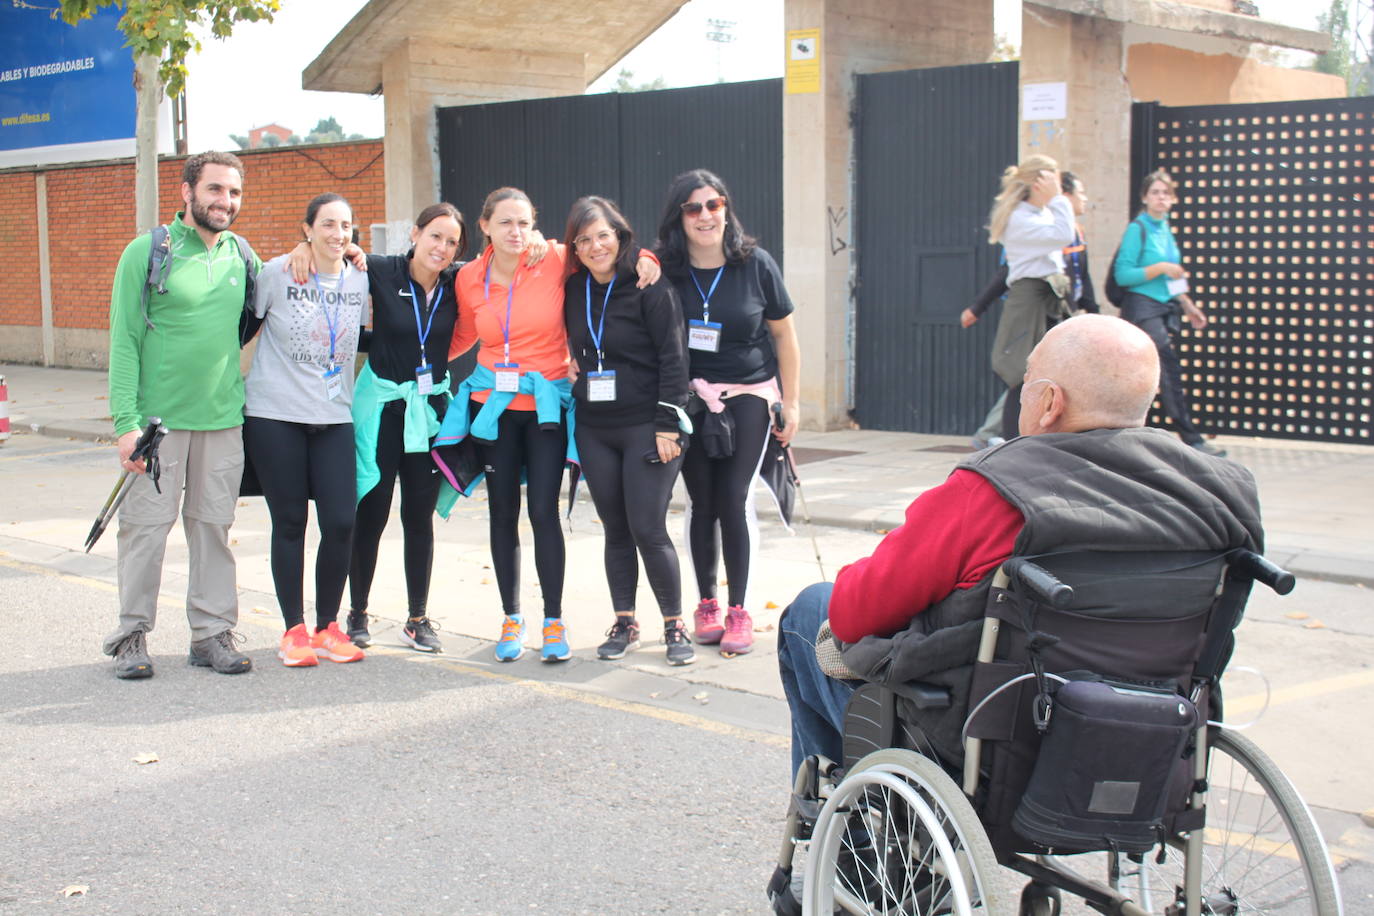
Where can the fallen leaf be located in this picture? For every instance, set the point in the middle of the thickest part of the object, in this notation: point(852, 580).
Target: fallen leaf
point(233, 542)
point(149, 757)
point(261, 610)
point(766, 628)
point(771, 606)
point(700, 696)
point(75, 890)
point(1296, 615)
point(1314, 625)
point(882, 530)
point(486, 581)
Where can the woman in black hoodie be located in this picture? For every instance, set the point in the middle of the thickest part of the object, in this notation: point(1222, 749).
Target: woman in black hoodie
point(631, 387)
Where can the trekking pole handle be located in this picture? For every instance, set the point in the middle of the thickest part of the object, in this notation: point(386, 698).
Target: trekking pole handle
point(146, 438)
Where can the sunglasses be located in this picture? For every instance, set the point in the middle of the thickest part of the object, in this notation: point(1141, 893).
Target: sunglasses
point(693, 207)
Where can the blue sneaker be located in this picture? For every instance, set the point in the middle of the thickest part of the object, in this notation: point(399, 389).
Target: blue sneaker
point(511, 645)
point(556, 647)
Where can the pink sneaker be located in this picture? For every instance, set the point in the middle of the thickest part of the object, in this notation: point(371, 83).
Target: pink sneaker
point(706, 622)
point(739, 632)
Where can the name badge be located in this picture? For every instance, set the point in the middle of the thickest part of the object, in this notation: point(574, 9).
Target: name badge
point(424, 379)
point(333, 383)
point(507, 377)
point(1178, 287)
point(703, 335)
point(601, 385)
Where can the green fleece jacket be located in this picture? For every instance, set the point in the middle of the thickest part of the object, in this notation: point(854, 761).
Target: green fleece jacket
point(185, 369)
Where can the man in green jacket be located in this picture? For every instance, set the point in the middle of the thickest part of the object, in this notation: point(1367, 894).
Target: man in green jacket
point(179, 360)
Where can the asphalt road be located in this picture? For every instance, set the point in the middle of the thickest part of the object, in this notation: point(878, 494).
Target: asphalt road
point(453, 784)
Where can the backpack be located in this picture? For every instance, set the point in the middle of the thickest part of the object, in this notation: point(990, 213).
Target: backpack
point(160, 265)
point(1115, 293)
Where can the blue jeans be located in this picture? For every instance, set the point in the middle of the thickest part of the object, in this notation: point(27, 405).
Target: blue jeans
point(817, 702)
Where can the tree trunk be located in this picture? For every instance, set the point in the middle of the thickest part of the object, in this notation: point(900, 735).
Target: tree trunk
point(148, 90)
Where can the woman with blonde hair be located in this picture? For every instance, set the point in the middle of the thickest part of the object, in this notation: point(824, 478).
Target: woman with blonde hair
point(1033, 220)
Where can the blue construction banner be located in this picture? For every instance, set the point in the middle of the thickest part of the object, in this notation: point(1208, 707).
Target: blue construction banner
point(63, 86)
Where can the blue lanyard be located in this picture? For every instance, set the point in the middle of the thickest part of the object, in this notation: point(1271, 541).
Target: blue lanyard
point(415, 304)
point(510, 297)
point(332, 323)
point(601, 327)
point(706, 296)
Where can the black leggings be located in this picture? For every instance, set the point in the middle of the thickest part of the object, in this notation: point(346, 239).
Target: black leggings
point(541, 453)
point(419, 492)
point(296, 462)
point(720, 492)
point(631, 497)
point(1172, 396)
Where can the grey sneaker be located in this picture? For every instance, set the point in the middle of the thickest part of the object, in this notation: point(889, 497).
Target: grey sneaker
point(131, 657)
point(220, 652)
point(357, 629)
point(679, 645)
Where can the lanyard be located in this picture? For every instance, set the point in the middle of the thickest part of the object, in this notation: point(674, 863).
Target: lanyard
point(600, 331)
point(332, 323)
point(510, 297)
point(433, 307)
point(706, 296)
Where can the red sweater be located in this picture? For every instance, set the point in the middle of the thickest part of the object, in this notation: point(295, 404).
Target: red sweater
point(953, 536)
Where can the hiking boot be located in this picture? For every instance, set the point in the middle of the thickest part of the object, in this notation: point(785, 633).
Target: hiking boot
point(679, 646)
point(739, 632)
point(221, 653)
point(357, 629)
point(620, 638)
point(295, 650)
point(556, 648)
point(706, 623)
point(511, 645)
point(1207, 448)
point(131, 657)
point(332, 644)
point(418, 633)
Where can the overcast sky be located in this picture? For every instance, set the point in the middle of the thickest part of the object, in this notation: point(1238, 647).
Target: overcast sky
point(253, 78)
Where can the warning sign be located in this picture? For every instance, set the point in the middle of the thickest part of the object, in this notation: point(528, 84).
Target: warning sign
point(803, 61)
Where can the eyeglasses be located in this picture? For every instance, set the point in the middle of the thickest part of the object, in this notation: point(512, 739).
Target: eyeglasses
point(693, 207)
point(602, 238)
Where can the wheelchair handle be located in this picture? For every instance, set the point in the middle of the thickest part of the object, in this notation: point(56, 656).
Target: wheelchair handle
point(1039, 582)
point(1256, 567)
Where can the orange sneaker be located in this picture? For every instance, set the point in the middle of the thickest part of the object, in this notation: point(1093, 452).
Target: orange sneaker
point(331, 643)
point(295, 651)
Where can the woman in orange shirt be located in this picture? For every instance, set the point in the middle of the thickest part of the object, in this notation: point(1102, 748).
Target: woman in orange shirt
point(519, 400)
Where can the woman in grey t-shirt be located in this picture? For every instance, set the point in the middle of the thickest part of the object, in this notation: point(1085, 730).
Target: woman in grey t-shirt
point(298, 429)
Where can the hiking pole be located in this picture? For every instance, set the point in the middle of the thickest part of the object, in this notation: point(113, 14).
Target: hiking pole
point(145, 448)
point(780, 424)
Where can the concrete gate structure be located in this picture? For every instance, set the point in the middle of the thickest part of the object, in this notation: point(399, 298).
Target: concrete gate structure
point(425, 54)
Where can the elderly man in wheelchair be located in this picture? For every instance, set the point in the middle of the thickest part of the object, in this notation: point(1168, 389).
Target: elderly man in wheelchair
point(1025, 675)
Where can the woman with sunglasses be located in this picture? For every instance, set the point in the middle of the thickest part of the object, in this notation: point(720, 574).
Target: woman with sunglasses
point(399, 398)
point(298, 426)
point(631, 390)
point(518, 402)
point(743, 358)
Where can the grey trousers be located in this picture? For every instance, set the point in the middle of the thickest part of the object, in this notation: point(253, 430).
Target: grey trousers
point(208, 466)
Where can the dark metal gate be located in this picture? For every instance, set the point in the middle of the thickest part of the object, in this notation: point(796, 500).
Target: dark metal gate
point(626, 147)
point(931, 146)
point(1274, 224)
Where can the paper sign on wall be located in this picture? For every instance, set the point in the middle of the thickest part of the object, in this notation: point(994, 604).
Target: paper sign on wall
point(803, 61)
point(1044, 101)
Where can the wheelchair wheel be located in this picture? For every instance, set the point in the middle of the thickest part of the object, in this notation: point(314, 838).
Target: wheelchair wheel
point(897, 836)
point(1262, 852)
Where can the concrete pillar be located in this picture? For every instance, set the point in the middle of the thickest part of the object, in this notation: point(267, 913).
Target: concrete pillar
point(420, 75)
point(857, 36)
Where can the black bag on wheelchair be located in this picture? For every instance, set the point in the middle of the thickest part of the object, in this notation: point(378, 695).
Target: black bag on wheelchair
point(1105, 761)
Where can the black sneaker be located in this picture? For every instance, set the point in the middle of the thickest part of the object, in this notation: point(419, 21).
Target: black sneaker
point(620, 638)
point(678, 643)
point(418, 633)
point(221, 653)
point(131, 657)
point(357, 629)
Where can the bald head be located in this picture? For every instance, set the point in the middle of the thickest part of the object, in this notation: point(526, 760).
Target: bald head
point(1104, 373)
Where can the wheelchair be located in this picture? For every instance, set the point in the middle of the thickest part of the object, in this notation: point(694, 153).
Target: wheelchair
point(942, 789)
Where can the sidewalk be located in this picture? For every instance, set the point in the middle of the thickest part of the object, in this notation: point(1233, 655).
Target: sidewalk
point(1318, 498)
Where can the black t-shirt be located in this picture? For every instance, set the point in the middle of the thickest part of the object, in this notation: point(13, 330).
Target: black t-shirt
point(643, 342)
point(748, 296)
point(393, 347)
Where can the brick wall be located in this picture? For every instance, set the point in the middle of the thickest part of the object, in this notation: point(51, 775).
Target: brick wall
point(91, 219)
point(21, 304)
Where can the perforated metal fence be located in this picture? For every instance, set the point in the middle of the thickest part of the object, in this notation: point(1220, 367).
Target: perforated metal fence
point(1275, 225)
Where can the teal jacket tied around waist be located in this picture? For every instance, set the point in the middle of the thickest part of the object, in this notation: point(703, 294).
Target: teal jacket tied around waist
point(370, 395)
